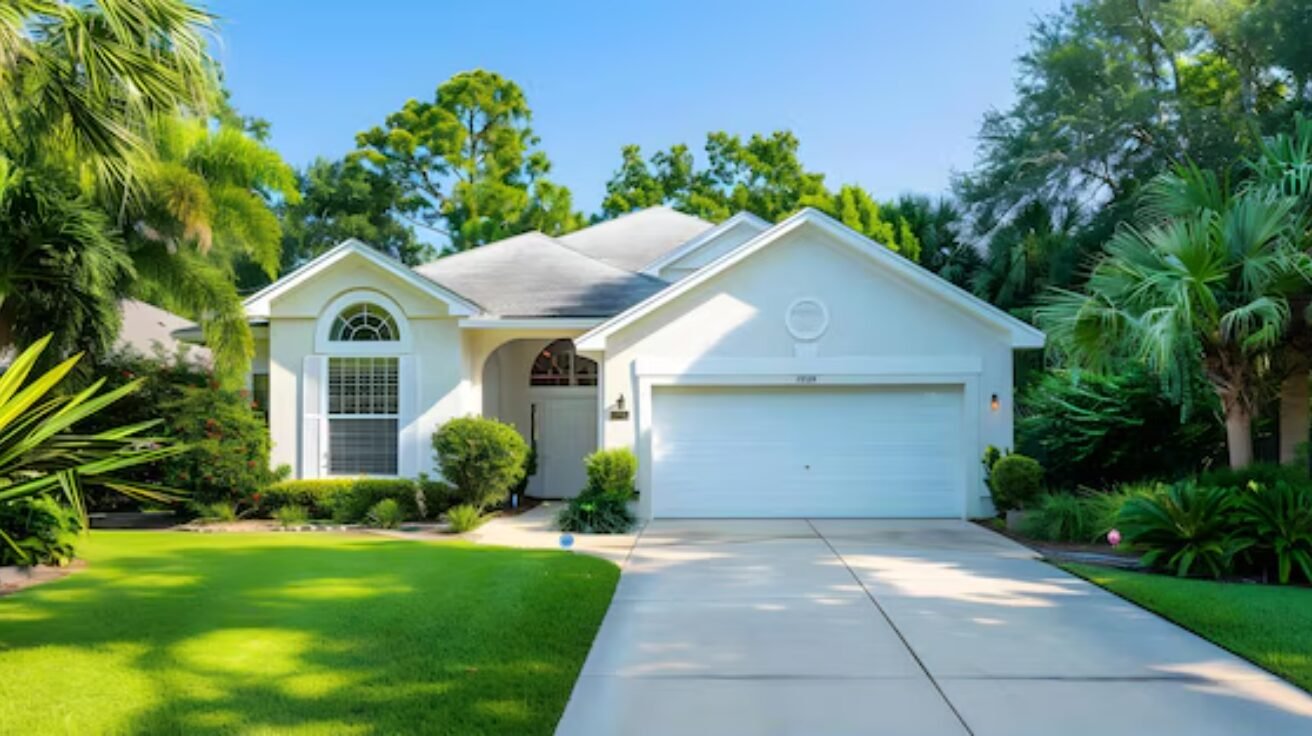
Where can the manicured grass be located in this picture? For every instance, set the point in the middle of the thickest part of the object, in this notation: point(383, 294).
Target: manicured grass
point(1266, 624)
point(171, 632)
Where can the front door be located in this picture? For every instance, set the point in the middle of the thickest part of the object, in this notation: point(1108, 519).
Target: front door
point(565, 431)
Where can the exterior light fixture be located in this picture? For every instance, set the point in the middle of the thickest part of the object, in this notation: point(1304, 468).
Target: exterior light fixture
point(994, 403)
point(619, 403)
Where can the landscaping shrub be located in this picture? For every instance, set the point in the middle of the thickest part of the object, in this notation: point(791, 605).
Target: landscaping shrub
point(596, 513)
point(1062, 517)
point(1015, 481)
point(1096, 430)
point(1274, 523)
point(437, 495)
point(1263, 474)
point(1185, 529)
point(317, 495)
point(291, 515)
point(215, 512)
point(386, 514)
point(464, 518)
point(1105, 507)
point(228, 455)
point(481, 458)
point(341, 499)
point(38, 530)
point(365, 493)
point(612, 471)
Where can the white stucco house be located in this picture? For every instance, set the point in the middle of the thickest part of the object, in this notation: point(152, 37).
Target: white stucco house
point(757, 370)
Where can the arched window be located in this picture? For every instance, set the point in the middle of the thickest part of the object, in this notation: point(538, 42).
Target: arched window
point(558, 365)
point(364, 322)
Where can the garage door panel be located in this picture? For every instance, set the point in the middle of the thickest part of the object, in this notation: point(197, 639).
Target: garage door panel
point(807, 451)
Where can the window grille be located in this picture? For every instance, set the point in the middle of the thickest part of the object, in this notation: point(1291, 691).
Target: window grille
point(364, 322)
point(363, 408)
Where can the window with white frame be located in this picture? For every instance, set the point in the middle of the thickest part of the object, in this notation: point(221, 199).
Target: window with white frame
point(558, 365)
point(363, 414)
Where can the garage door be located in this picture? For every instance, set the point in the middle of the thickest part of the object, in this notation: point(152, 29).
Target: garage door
point(808, 451)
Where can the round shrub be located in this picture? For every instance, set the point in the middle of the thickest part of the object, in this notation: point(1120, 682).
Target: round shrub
point(481, 458)
point(612, 471)
point(1015, 481)
point(386, 514)
point(596, 513)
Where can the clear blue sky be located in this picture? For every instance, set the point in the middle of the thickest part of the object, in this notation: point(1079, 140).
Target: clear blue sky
point(887, 94)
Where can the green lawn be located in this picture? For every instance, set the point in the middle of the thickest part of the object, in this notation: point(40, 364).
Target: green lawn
point(1267, 624)
point(299, 634)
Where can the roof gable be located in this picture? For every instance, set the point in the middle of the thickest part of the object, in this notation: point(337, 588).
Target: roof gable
point(258, 304)
point(1021, 334)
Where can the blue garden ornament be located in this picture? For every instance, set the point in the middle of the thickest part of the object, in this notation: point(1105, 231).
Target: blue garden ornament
point(566, 540)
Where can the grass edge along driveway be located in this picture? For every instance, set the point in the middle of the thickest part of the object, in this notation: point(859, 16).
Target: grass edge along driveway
point(1269, 625)
point(169, 632)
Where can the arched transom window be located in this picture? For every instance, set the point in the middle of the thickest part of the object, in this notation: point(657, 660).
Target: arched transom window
point(558, 365)
point(364, 322)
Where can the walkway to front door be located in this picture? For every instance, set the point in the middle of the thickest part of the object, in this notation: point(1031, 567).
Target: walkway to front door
point(862, 626)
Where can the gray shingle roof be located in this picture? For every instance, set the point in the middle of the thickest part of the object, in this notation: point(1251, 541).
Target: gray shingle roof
point(632, 241)
point(532, 275)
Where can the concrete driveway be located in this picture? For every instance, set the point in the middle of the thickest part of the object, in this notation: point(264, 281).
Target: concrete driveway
point(896, 627)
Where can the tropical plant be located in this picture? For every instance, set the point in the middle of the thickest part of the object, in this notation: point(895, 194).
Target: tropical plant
point(1185, 529)
point(42, 453)
point(83, 82)
point(1204, 284)
point(43, 531)
point(1276, 522)
point(291, 515)
point(481, 458)
point(386, 514)
point(1015, 482)
point(1096, 429)
point(206, 207)
point(596, 513)
point(464, 518)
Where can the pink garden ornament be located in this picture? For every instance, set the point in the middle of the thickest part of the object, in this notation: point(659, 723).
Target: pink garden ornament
point(1114, 537)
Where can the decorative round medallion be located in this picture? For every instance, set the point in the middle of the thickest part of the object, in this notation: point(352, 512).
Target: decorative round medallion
point(807, 319)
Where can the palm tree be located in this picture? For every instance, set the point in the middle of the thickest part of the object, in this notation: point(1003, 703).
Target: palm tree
point(206, 207)
point(1207, 279)
point(1284, 165)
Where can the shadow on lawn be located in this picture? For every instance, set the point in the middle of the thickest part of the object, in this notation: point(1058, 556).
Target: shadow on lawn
point(341, 636)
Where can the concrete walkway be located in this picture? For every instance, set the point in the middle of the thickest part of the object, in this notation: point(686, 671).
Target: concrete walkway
point(906, 628)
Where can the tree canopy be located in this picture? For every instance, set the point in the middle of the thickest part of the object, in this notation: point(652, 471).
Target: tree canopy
point(469, 164)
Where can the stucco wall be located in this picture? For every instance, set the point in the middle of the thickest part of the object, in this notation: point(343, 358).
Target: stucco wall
point(437, 364)
point(873, 313)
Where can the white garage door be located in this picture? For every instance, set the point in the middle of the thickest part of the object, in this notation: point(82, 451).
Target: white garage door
point(812, 451)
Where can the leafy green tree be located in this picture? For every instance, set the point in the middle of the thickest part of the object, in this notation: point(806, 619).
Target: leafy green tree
point(468, 163)
point(1112, 92)
point(1031, 252)
point(346, 199)
point(1206, 281)
point(762, 175)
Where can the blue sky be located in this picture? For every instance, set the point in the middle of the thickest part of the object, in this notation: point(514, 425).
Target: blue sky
point(886, 94)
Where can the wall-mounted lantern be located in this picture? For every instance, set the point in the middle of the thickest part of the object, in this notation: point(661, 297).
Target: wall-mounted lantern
point(994, 403)
point(619, 413)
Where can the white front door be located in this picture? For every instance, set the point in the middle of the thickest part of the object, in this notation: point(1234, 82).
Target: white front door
point(565, 426)
point(815, 451)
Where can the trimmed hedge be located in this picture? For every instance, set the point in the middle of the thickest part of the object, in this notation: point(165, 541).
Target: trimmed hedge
point(341, 499)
